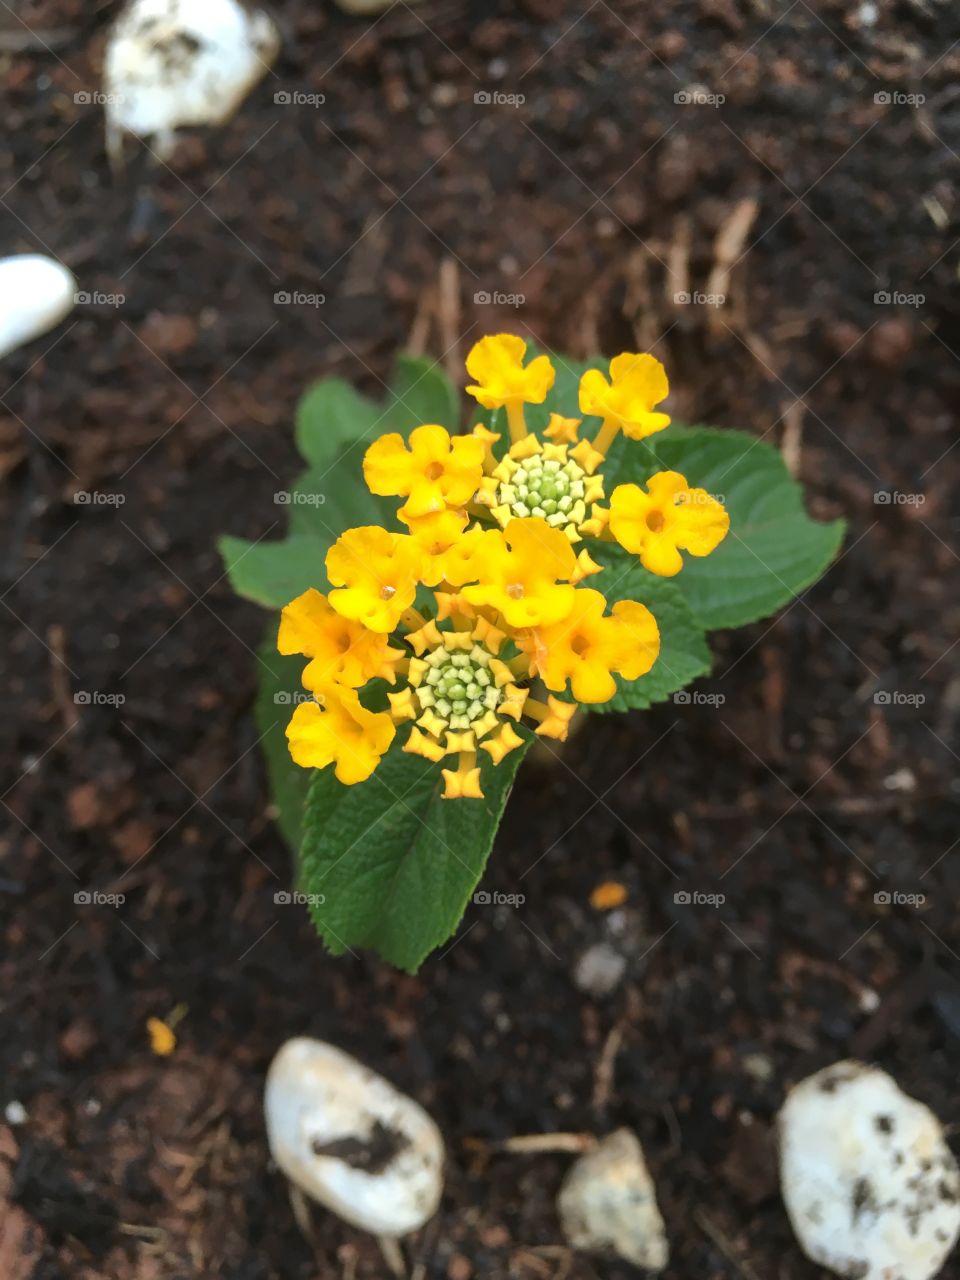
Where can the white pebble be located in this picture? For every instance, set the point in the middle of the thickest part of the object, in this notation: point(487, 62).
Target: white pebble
point(15, 1113)
point(173, 63)
point(608, 1204)
point(870, 1185)
point(599, 970)
point(350, 1140)
point(36, 293)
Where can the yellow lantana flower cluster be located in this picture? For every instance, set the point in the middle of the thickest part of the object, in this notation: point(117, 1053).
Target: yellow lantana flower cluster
point(476, 617)
point(504, 608)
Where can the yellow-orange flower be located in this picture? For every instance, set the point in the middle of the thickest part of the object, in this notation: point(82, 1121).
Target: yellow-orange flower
point(462, 561)
point(163, 1039)
point(433, 473)
point(637, 383)
point(524, 573)
point(500, 379)
point(669, 517)
point(341, 649)
point(585, 647)
point(377, 573)
point(339, 730)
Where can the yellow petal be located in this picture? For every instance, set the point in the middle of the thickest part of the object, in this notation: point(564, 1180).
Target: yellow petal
point(163, 1041)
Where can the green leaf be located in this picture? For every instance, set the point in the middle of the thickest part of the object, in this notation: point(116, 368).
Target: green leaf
point(420, 392)
point(773, 551)
point(273, 573)
point(684, 653)
point(333, 427)
point(279, 689)
point(323, 502)
point(330, 415)
point(395, 863)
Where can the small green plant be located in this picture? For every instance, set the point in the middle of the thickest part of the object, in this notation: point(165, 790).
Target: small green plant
point(541, 564)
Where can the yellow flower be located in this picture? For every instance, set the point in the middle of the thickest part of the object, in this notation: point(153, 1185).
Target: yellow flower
point(341, 732)
point(669, 517)
point(462, 783)
point(163, 1040)
point(608, 895)
point(521, 573)
point(554, 717)
point(435, 534)
point(637, 383)
point(377, 572)
point(433, 473)
point(585, 647)
point(500, 379)
point(461, 562)
point(341, 649)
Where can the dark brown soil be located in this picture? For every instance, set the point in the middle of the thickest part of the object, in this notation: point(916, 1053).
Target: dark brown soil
point(799, 797)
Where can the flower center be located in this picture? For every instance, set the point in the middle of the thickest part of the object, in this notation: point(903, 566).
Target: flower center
point(655, 521)
point(515, 590)
point(387, 592)
point(434, 471)
point(547, 488)
point(458, 687)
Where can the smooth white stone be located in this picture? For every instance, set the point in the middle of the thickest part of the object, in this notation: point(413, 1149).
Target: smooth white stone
point(608, 1203)
point(36, 293)
point(871, 1188)
point(381, 1157)
point(175, 63)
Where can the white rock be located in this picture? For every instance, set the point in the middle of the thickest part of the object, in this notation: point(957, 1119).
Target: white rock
point(872, 1190)
point(608, 1203)
point(347, 1138)
point(173, 63)
point(599, 970)
point(36, 293)
point(15, 1113)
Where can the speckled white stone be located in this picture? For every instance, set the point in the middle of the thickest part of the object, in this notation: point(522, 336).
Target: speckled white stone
point(174, 63)
point(608, 1204)
point(348, 1139)
point(36, 293)
point(871, 1187)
